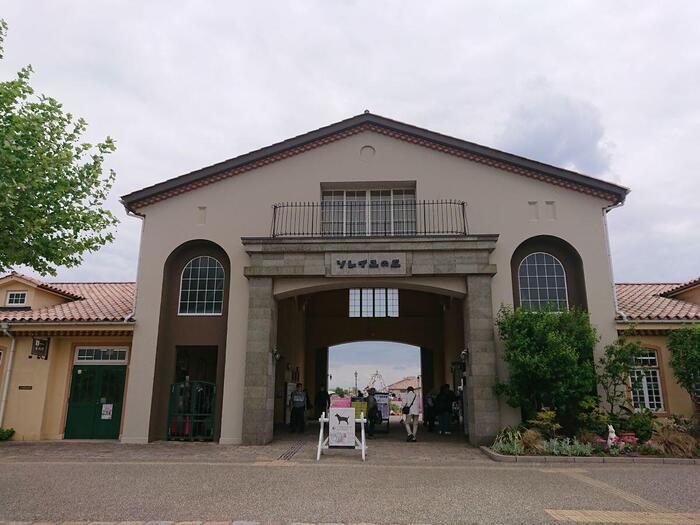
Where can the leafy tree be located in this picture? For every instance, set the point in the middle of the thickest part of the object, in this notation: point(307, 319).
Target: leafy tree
point(614, 372)
point(684, 344)
point(550, 359)
point(52, 186)
point(339, 390)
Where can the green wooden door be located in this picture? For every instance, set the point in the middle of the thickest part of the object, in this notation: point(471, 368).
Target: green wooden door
point(95, 403)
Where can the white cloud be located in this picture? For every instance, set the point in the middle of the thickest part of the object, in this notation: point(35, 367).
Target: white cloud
point(180, 86)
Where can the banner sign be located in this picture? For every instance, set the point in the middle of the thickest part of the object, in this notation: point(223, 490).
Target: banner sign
point(383, 405)
point(360, 406)
point(341, 427)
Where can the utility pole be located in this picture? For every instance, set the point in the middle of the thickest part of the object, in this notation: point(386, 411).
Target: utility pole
point(355, 382)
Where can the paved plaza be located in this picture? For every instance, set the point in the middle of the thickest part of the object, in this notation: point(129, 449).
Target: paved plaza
point(430, 482)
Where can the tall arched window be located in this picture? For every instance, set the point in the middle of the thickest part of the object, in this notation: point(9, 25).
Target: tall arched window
point(542, 281)
point(202, 287)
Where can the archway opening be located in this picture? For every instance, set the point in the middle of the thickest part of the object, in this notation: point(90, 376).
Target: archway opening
point(393, 337)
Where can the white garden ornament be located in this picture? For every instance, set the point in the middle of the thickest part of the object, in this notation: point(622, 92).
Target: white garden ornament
point(612, 437)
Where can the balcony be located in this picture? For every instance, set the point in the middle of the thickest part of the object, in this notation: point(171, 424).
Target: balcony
point(333, 219)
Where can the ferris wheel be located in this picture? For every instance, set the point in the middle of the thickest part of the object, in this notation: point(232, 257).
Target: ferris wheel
point(376, 381)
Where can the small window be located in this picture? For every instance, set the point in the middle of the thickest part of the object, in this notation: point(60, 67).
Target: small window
point(542, 281)
point(15, 298)
point(373, 302)
point(646, 383)
point(104, 355)
point(202, 287)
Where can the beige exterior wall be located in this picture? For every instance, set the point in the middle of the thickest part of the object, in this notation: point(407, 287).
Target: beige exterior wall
point(40, 413)
point(498, 202)
point(691, 296)
point(36, 297)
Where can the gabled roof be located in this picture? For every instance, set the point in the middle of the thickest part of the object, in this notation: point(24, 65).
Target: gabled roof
point(648, 302)
point(369, 122)
point(50, 287)
point(683, 287)
point(94, 303)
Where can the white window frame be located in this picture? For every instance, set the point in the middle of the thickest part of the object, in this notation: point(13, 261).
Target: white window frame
point(368, 201)
point(179, 293)
point(93, 361)
point(642, 372)
point(566, 283)
point(360, 305)
point(10, 292)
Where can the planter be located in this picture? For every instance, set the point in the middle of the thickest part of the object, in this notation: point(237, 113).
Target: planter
point(628, 437)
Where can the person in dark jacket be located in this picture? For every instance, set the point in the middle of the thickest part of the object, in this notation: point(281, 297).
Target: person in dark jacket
point(297, 402)
point(372, 411)
point(443, 407)
point(323, 401)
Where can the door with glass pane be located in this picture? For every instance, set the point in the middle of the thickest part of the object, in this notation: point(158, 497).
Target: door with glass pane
point(95, 402)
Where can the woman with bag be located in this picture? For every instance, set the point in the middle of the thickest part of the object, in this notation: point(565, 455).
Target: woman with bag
point(410, 411)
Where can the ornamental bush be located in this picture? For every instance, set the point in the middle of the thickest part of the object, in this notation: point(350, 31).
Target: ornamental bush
point(550, 359)
point(684, 344)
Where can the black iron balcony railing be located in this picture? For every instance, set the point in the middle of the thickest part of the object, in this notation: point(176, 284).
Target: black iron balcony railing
point(369, 218)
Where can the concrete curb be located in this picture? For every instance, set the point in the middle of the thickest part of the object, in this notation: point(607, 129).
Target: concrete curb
point(495, 456)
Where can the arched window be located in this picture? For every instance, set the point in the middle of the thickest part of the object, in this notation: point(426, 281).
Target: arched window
point(542, 281)
point(202, 287)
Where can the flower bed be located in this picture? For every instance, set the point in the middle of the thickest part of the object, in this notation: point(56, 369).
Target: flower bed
point(667, 442)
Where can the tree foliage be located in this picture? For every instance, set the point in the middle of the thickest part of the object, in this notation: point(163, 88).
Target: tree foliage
point(684, 344)
point(550, 359)
point(52, 186)
point(615, 370)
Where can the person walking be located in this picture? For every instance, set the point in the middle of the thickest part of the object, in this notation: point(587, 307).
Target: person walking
point(410, 411)
point(323, 401)
point(443, 406)
point(297, 402)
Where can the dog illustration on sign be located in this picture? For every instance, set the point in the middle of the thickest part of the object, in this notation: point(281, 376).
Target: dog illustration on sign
point(341, 418)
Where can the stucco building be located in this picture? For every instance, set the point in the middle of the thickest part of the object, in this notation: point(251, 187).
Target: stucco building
point(64, 355)
point(365, 229)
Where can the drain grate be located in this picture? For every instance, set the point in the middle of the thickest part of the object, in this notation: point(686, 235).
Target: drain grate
point(289, 453)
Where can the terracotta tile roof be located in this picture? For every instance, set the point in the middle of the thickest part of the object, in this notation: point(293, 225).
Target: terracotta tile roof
point(684, 286)
point(404, 383)
point(98, 302)
point(646, 302)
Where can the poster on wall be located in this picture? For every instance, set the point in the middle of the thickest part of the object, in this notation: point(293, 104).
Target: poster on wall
point(107, 409)
point(341, 427)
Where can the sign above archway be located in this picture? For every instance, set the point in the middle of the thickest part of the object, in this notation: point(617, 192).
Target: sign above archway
point(365, 264)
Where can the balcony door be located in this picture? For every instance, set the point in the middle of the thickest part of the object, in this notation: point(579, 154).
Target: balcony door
point(368, 212)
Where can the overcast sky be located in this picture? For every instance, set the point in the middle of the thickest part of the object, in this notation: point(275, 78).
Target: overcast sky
point(393, 361)
point(608, 88)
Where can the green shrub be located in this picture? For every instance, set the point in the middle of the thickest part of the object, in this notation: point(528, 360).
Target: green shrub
point(6, 433)
point(545, 422)
point(592, 418)
point(512, 434)
point(550, 360)
point(684, 344)
point(509, 448)
point(567, 447)
point(641, 423)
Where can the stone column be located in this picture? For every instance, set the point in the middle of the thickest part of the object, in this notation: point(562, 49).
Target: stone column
point(259, 390)
point(482, 403)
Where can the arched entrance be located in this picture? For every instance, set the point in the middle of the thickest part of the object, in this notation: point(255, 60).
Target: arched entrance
point(309, 324)
point(299, 300)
